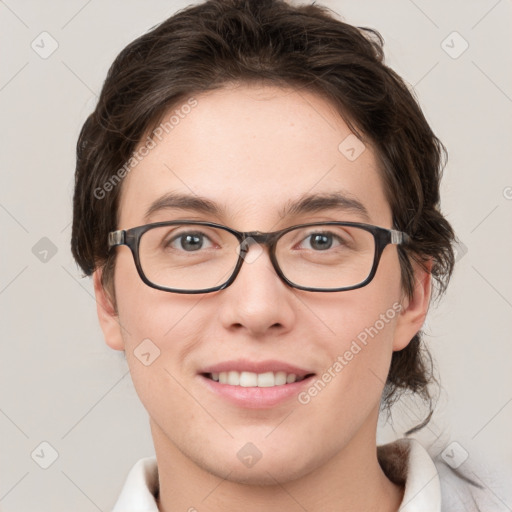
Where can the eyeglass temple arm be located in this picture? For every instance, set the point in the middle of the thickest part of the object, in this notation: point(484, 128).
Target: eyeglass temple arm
point(399, 237)
point(116, 238)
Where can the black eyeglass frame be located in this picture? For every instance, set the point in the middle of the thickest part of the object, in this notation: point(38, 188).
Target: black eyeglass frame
point(131, 238)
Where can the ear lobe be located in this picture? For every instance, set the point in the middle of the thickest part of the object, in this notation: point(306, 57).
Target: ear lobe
point(415, 308)
point(107, 314)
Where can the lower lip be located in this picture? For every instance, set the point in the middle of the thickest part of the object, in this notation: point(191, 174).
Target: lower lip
point(255, 397)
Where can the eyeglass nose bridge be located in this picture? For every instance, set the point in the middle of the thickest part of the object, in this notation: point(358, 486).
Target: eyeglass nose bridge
point(257, 237)
point(249, 238)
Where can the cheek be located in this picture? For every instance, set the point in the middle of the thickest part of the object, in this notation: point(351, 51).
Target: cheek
point(159, 330)
point(349, 389)
point(361, 324)
point(363, 314)
point(147, 313)
point(361, 340)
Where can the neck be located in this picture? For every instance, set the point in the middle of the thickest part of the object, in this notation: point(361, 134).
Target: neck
point(351, 480)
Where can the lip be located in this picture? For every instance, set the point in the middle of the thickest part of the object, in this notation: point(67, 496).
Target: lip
point(244, 365)
point(255, 397)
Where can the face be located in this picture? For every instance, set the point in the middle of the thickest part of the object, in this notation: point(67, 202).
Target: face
point(254, 151)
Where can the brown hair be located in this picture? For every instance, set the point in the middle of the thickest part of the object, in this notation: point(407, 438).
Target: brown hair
point(209, 45)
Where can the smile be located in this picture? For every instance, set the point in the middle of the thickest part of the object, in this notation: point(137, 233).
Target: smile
point(248, 379)
point(255, 384)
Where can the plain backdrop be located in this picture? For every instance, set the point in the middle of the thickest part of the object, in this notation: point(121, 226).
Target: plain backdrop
point(62, 386)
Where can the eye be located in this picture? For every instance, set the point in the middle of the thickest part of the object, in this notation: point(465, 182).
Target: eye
point(321, 241)
point(190, 242)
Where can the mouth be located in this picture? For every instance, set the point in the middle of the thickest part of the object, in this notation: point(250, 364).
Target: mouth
point(247, 379)
point(255, 385)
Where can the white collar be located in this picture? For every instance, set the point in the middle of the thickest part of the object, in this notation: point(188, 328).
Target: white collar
point(407, 459)
point(408, 462)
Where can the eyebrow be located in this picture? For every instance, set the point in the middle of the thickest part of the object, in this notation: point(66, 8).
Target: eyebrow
point(309, 203)
point(314, 203)
point(183, 202)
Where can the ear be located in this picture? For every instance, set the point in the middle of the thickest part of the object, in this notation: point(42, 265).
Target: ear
point(414, 309)
point(107, 314)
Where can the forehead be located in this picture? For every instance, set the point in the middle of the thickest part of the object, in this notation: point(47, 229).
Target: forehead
point(252, 152)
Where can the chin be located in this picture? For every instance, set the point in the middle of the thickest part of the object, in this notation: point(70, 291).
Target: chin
point(260, 479)
point(267, 471)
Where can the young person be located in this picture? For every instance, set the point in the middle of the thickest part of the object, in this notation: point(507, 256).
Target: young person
point(257, 200)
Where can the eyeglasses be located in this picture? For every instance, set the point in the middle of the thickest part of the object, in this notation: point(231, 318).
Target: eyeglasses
point(202, 257)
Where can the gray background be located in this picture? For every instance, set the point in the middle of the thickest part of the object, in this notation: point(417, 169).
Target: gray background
point(59, 382)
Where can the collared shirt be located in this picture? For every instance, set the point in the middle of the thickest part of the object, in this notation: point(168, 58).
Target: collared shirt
point(429, 486)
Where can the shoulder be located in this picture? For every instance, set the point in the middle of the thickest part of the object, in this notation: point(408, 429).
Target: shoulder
point(431, 484)
point(140, 489)
point(465, 489)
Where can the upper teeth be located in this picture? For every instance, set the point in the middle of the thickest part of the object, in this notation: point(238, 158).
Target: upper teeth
point(250, 379)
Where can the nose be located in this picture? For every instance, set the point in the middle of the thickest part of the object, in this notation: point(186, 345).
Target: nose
point(258, 301)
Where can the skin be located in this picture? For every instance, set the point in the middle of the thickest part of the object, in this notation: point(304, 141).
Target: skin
point(251, 149)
